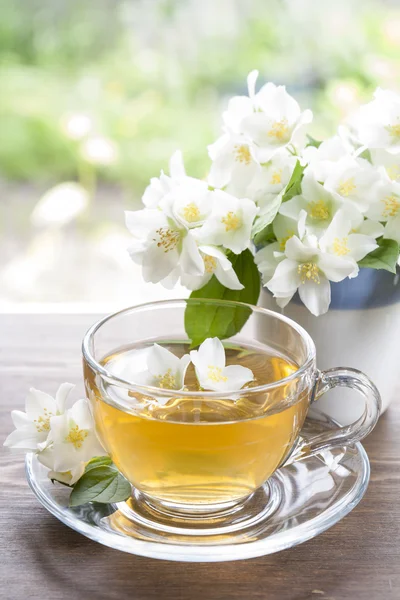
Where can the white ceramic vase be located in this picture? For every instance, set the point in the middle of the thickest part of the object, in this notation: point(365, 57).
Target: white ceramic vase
point(360, 330)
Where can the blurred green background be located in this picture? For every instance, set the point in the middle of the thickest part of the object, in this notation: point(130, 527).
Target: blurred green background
point(101, 93)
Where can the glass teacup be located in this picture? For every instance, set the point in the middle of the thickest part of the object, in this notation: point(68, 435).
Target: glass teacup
point(200, 454)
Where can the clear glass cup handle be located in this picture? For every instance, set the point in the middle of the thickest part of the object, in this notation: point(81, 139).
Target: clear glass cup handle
point(349, 434)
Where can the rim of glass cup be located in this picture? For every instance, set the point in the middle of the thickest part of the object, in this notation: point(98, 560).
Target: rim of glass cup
point(156, 391)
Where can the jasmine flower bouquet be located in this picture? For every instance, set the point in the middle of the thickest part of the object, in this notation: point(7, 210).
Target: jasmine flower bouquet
point(277, 203)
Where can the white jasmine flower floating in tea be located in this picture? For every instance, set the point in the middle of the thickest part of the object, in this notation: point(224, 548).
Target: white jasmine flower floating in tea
point(211, 370)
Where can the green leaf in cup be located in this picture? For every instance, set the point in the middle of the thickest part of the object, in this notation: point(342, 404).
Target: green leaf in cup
point(207, 320)
point(384, 257)
point(101, 482)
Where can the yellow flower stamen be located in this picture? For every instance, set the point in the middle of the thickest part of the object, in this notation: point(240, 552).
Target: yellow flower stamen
point(279, 129)
point(347, 187)
point(168, 239)
point(231, 221)
point(318, 210)
point(242, 154)
point(394, 130)
point(210, 263)
point(282, 241)
point(167, 381)
point(42, 423)
point(76, 436)
point(276, 177)
point(309, 272)
point(191, 213)
point(215, 374)
point(340, 246)
point(392, 207)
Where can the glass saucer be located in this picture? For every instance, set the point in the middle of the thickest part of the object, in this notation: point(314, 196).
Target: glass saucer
point(297, 503)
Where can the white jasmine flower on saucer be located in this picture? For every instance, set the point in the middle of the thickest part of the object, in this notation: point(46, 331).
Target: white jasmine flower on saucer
point(340, 240)
point(318, 202)
point(271, 179)
point(308, 269)
point(378, 122)
point(353, 180)
point(47, 457)
point(215, 263)
point(32, 427)
point(230, 222)
point(164, 370)
point(209, 362)
point(73, 439)
point(234, 163)
point(320, 161)
point(387, 161)
point(386, 204)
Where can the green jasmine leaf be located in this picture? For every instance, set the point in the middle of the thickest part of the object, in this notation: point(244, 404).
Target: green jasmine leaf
point(203, 321)
point(293, 188)
point(313, 142)
point(366, 154)
point(265, 236)
point(101, 483)
point(98, 461)
point(384, 257)
point(268, 216)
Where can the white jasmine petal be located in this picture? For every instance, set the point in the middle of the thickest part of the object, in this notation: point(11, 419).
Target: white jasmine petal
point(251, 83)
point(209, 362)
point(176, 166)
point(191, 260)
point(238, 108)
point(320, 161)
point(156, 366)
point(336, 268)
point(316, 296)
point(158, 262)
point(62, 394)
point(227, 276)
point(267, 260)
point(215, 263)
point(234, 164)
point(33, 425)
point(354, 181)
point(73, 437)
point(378, 122)
point(286, 279)
point(230, 222)
point(392, 229)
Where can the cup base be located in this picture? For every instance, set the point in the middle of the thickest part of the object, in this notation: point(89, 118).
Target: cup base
point(140, 516)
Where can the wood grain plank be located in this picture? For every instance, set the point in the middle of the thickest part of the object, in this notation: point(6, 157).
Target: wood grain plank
point(359, 558)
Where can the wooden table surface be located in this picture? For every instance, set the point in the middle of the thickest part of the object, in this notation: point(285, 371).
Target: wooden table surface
point(359, 558)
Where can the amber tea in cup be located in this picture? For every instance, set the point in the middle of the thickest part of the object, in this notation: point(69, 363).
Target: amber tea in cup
point(201, 451)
